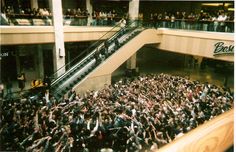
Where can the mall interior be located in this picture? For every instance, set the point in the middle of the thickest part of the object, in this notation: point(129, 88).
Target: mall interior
point(117, 75)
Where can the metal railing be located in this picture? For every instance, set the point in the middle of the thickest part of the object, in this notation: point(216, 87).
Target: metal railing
point(187, 24)
point(61, 72)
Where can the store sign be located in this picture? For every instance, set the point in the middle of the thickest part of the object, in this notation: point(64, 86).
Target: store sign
point(221, 48)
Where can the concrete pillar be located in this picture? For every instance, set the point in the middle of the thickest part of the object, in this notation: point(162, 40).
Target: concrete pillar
point(59, 48)
point(50, 5)
point(133, 15)
point(197, 63)
point(131, 62)
point(40, 62)
point(3, 3)
point(89, 7)
point(58, 62)
point(133, 9)
point(34, 4)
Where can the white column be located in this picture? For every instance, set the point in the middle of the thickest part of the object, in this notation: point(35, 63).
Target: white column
point(34, 4)
point(131, 62)
point(133, 15)
point(89, 7)
point(198, 62)
point(133, 9)
point(59, 48)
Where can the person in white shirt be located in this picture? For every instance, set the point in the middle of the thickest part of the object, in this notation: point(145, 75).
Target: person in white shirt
point(221, 19)
point(122, 23)
point(46, 95)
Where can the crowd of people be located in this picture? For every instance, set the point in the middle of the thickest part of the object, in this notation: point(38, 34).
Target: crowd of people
point(208, 21)
point(79, 17)
point(27, 11)
point(9, 16)
point(134, 114)
point(96, 18)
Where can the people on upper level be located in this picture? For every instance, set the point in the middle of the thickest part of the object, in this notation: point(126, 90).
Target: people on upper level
point(207, 21)
point(221, 21)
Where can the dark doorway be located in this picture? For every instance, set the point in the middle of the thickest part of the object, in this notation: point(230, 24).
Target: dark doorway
point(8, 64)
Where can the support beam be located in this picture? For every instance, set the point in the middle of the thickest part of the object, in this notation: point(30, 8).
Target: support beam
point(59, 48)
point(89, 7)
point(131, 62)
point(133, 15)
point(34, 4)
point(133, 9)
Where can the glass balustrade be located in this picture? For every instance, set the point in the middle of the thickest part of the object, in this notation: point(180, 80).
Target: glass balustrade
point(186, 24)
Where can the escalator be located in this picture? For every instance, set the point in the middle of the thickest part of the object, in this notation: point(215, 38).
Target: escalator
point(98, 55)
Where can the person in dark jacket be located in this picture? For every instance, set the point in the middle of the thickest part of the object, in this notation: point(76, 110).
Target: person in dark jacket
point(21, 81)
point(97, 56)
point(47, 82)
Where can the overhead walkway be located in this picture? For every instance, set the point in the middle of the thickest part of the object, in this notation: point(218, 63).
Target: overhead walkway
point(120, 47)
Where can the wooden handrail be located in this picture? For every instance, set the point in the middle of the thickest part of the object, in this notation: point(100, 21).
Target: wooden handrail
point(213, 136)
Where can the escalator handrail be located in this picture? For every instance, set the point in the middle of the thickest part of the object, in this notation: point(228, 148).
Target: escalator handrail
point(86, 50)
point(92, 45)
point(92, 53)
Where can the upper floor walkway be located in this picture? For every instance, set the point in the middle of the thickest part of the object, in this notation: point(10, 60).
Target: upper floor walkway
point(199, 43)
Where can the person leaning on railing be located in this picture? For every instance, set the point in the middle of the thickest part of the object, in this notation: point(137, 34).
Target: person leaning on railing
point(221, 19)
point(207, 21)
point(4, 18)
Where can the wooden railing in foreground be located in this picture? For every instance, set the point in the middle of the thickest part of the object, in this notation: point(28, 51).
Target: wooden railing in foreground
point(213, 136)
